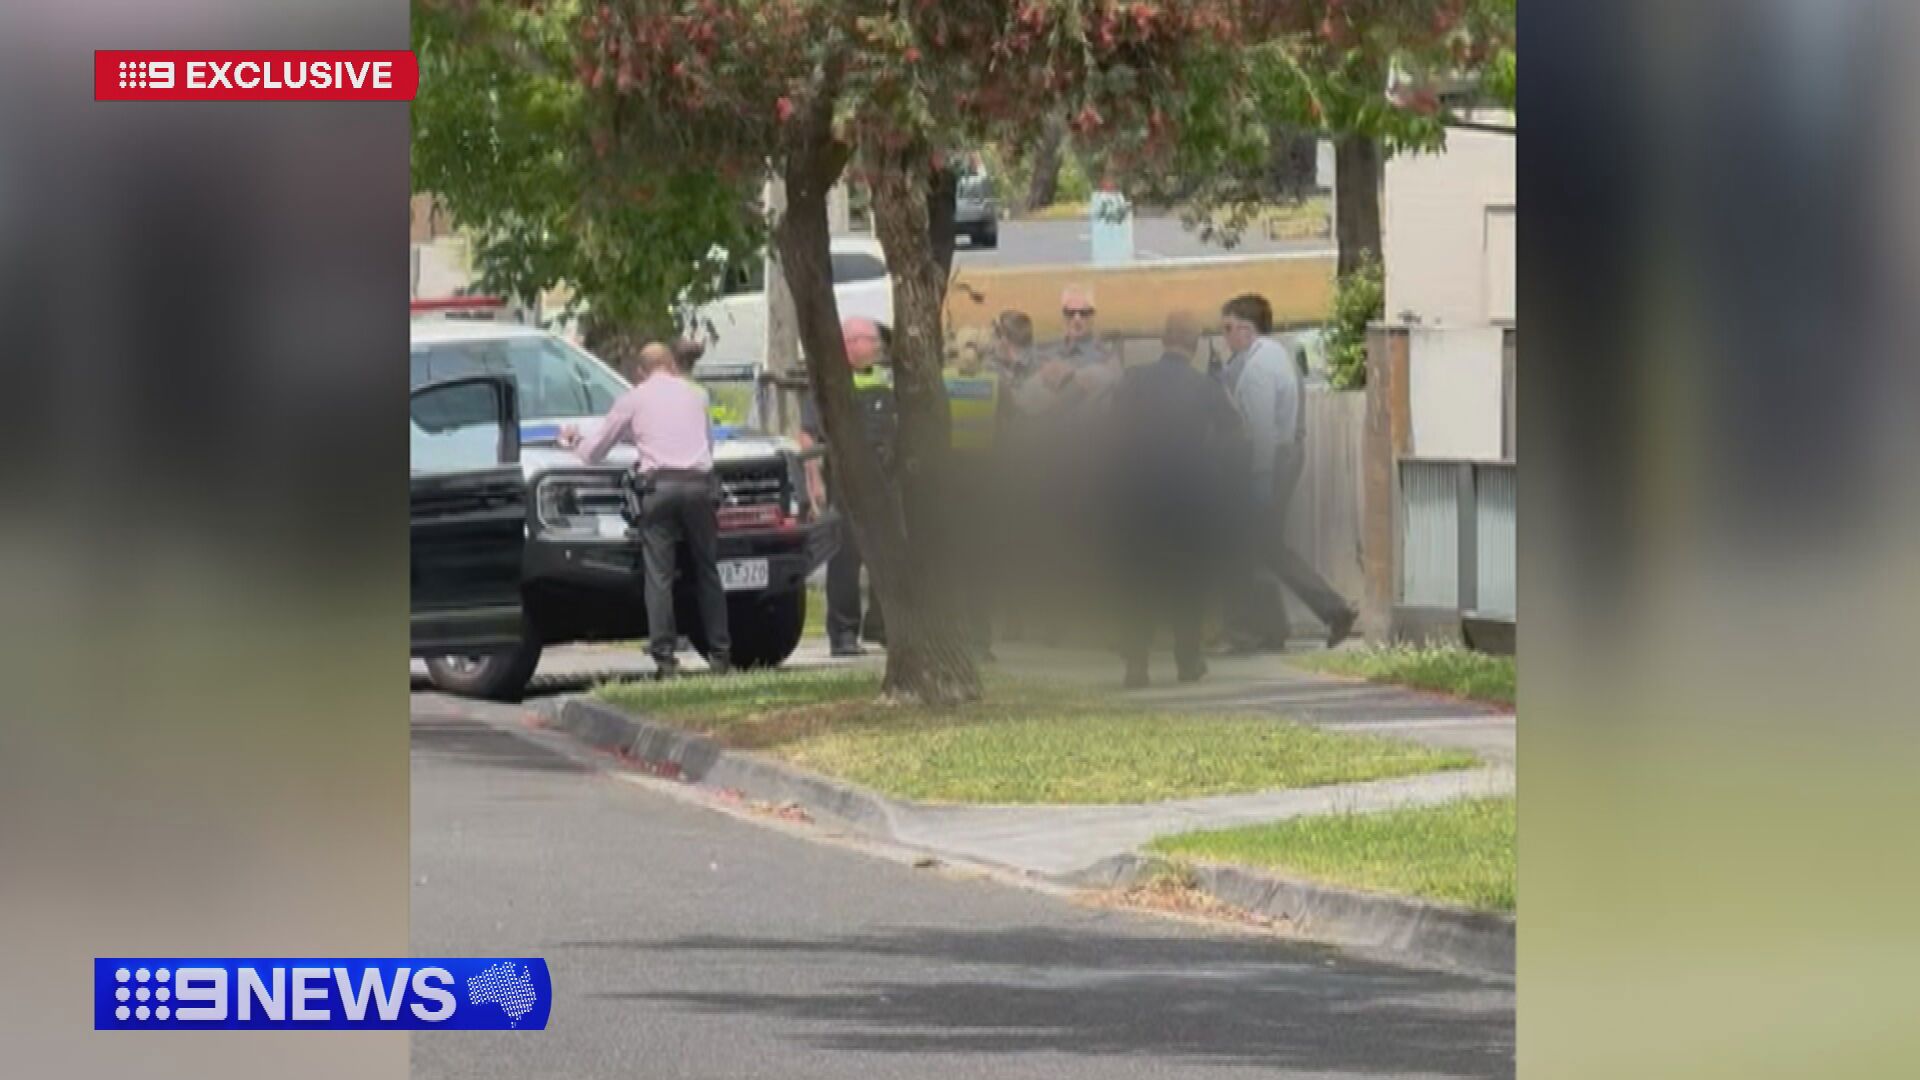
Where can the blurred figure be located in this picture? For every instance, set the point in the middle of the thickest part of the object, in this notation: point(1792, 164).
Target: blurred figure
point(974, 400)
point(1013, 348)
point(1171, 423)
point(1060, 413)
point(970, 351)
point(848, 621)
point(686, 353)
point(664, 417)
point(1266, 387)
point(1020, 500)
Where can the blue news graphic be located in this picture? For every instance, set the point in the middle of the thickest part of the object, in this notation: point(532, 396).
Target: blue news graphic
point(298, 994)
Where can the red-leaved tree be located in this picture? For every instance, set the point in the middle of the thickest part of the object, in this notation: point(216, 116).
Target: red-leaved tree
point(812, 88)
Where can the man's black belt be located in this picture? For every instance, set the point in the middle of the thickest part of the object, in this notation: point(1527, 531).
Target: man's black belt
point(685, 476)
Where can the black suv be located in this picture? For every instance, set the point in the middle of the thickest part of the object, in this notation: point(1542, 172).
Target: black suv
point(578, 571)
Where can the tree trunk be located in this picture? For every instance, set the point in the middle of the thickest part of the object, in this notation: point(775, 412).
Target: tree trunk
point(935, 663)
point(926, 659)
point(943, 205)
point(1044, 186)
point(1356, 200)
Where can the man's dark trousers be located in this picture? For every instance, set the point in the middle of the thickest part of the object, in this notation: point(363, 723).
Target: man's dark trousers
point(678, 507)
point(843, 594)
point(1261, 609)
point(1165, 585)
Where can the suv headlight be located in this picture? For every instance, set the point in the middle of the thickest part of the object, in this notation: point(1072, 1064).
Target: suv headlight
point(579, 506)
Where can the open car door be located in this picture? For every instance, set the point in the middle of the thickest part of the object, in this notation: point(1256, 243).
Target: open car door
point(469, 517)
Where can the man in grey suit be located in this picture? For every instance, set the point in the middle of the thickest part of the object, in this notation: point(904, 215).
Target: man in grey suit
point(1266, 386)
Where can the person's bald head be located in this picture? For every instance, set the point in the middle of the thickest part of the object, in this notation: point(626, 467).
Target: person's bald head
point(655, 357)
point(862, 338)
point(1182, 334)
point(1076, 311)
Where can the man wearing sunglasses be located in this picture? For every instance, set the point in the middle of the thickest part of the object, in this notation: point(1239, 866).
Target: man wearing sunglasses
point(1079, 348)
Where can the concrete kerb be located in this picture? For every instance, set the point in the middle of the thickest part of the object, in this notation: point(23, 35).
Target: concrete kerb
point(1420, 932)
point(703, 761)
point(1414, 931)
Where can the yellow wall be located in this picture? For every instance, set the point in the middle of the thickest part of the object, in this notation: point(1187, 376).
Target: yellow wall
point(1134, 301)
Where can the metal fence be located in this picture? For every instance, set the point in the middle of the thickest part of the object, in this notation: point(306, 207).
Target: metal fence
point(1457, 536)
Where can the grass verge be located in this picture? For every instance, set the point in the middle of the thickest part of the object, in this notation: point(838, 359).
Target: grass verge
point(1448, 669)
point(1026, 744)
point(816, 623)
point(1460, 852)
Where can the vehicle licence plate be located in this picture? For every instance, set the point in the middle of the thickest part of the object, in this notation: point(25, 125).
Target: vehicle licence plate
point(739, 574)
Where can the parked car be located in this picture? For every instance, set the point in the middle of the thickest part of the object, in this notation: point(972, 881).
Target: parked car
point(976, 214)
point(734, 327)
point(579, 576)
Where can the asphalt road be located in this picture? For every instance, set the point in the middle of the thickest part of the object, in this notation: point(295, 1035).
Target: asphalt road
point(1040, 243)
point(685, 942)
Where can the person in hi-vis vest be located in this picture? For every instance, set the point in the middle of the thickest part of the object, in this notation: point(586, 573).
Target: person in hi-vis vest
point(847, 621)
point(973, 405)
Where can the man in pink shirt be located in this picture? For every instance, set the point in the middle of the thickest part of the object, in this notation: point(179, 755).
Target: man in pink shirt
point(665, 418)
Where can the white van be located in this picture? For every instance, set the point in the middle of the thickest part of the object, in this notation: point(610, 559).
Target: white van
point(734, 326)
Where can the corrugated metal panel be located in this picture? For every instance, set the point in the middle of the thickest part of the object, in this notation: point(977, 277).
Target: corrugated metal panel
point(1497, 538)
point(1430, 535)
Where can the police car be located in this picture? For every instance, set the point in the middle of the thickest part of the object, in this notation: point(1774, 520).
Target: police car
point(578, 567)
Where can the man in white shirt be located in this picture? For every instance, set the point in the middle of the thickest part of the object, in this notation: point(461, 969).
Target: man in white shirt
point(1266, 387)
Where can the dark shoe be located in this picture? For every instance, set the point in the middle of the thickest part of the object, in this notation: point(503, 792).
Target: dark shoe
point(1194, 672)
point(847, 649)
point(664, 668)
point(1341, 628)
point(720, 664)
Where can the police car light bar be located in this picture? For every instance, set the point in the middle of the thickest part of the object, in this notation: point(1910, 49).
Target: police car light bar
point(458, 307)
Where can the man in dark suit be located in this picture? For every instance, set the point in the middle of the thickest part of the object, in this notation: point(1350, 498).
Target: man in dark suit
point(1173, 425)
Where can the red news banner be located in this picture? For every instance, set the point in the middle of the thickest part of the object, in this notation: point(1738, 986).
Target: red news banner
point(255, 75)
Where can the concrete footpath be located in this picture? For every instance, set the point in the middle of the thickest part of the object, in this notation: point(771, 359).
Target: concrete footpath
point(1098, 846)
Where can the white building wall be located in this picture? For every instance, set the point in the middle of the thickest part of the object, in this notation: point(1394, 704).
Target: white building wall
point(1454, 390)
point(1449, 224)
point(1447, 231)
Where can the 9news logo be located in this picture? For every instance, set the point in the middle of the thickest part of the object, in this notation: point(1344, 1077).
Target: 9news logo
point(279, 994)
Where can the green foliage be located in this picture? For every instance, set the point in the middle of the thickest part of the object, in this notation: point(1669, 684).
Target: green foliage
point(1075, 185)
point(1319, 67)
point(1011, 173)
point(1502, 81)
point(1359, 299)
point(505, 137)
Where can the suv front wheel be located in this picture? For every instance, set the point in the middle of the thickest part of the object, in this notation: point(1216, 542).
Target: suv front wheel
point(500, 677)
point(765, 629)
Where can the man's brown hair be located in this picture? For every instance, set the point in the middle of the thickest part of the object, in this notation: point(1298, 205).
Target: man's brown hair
point(1253, 308)
point(1015, 328)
